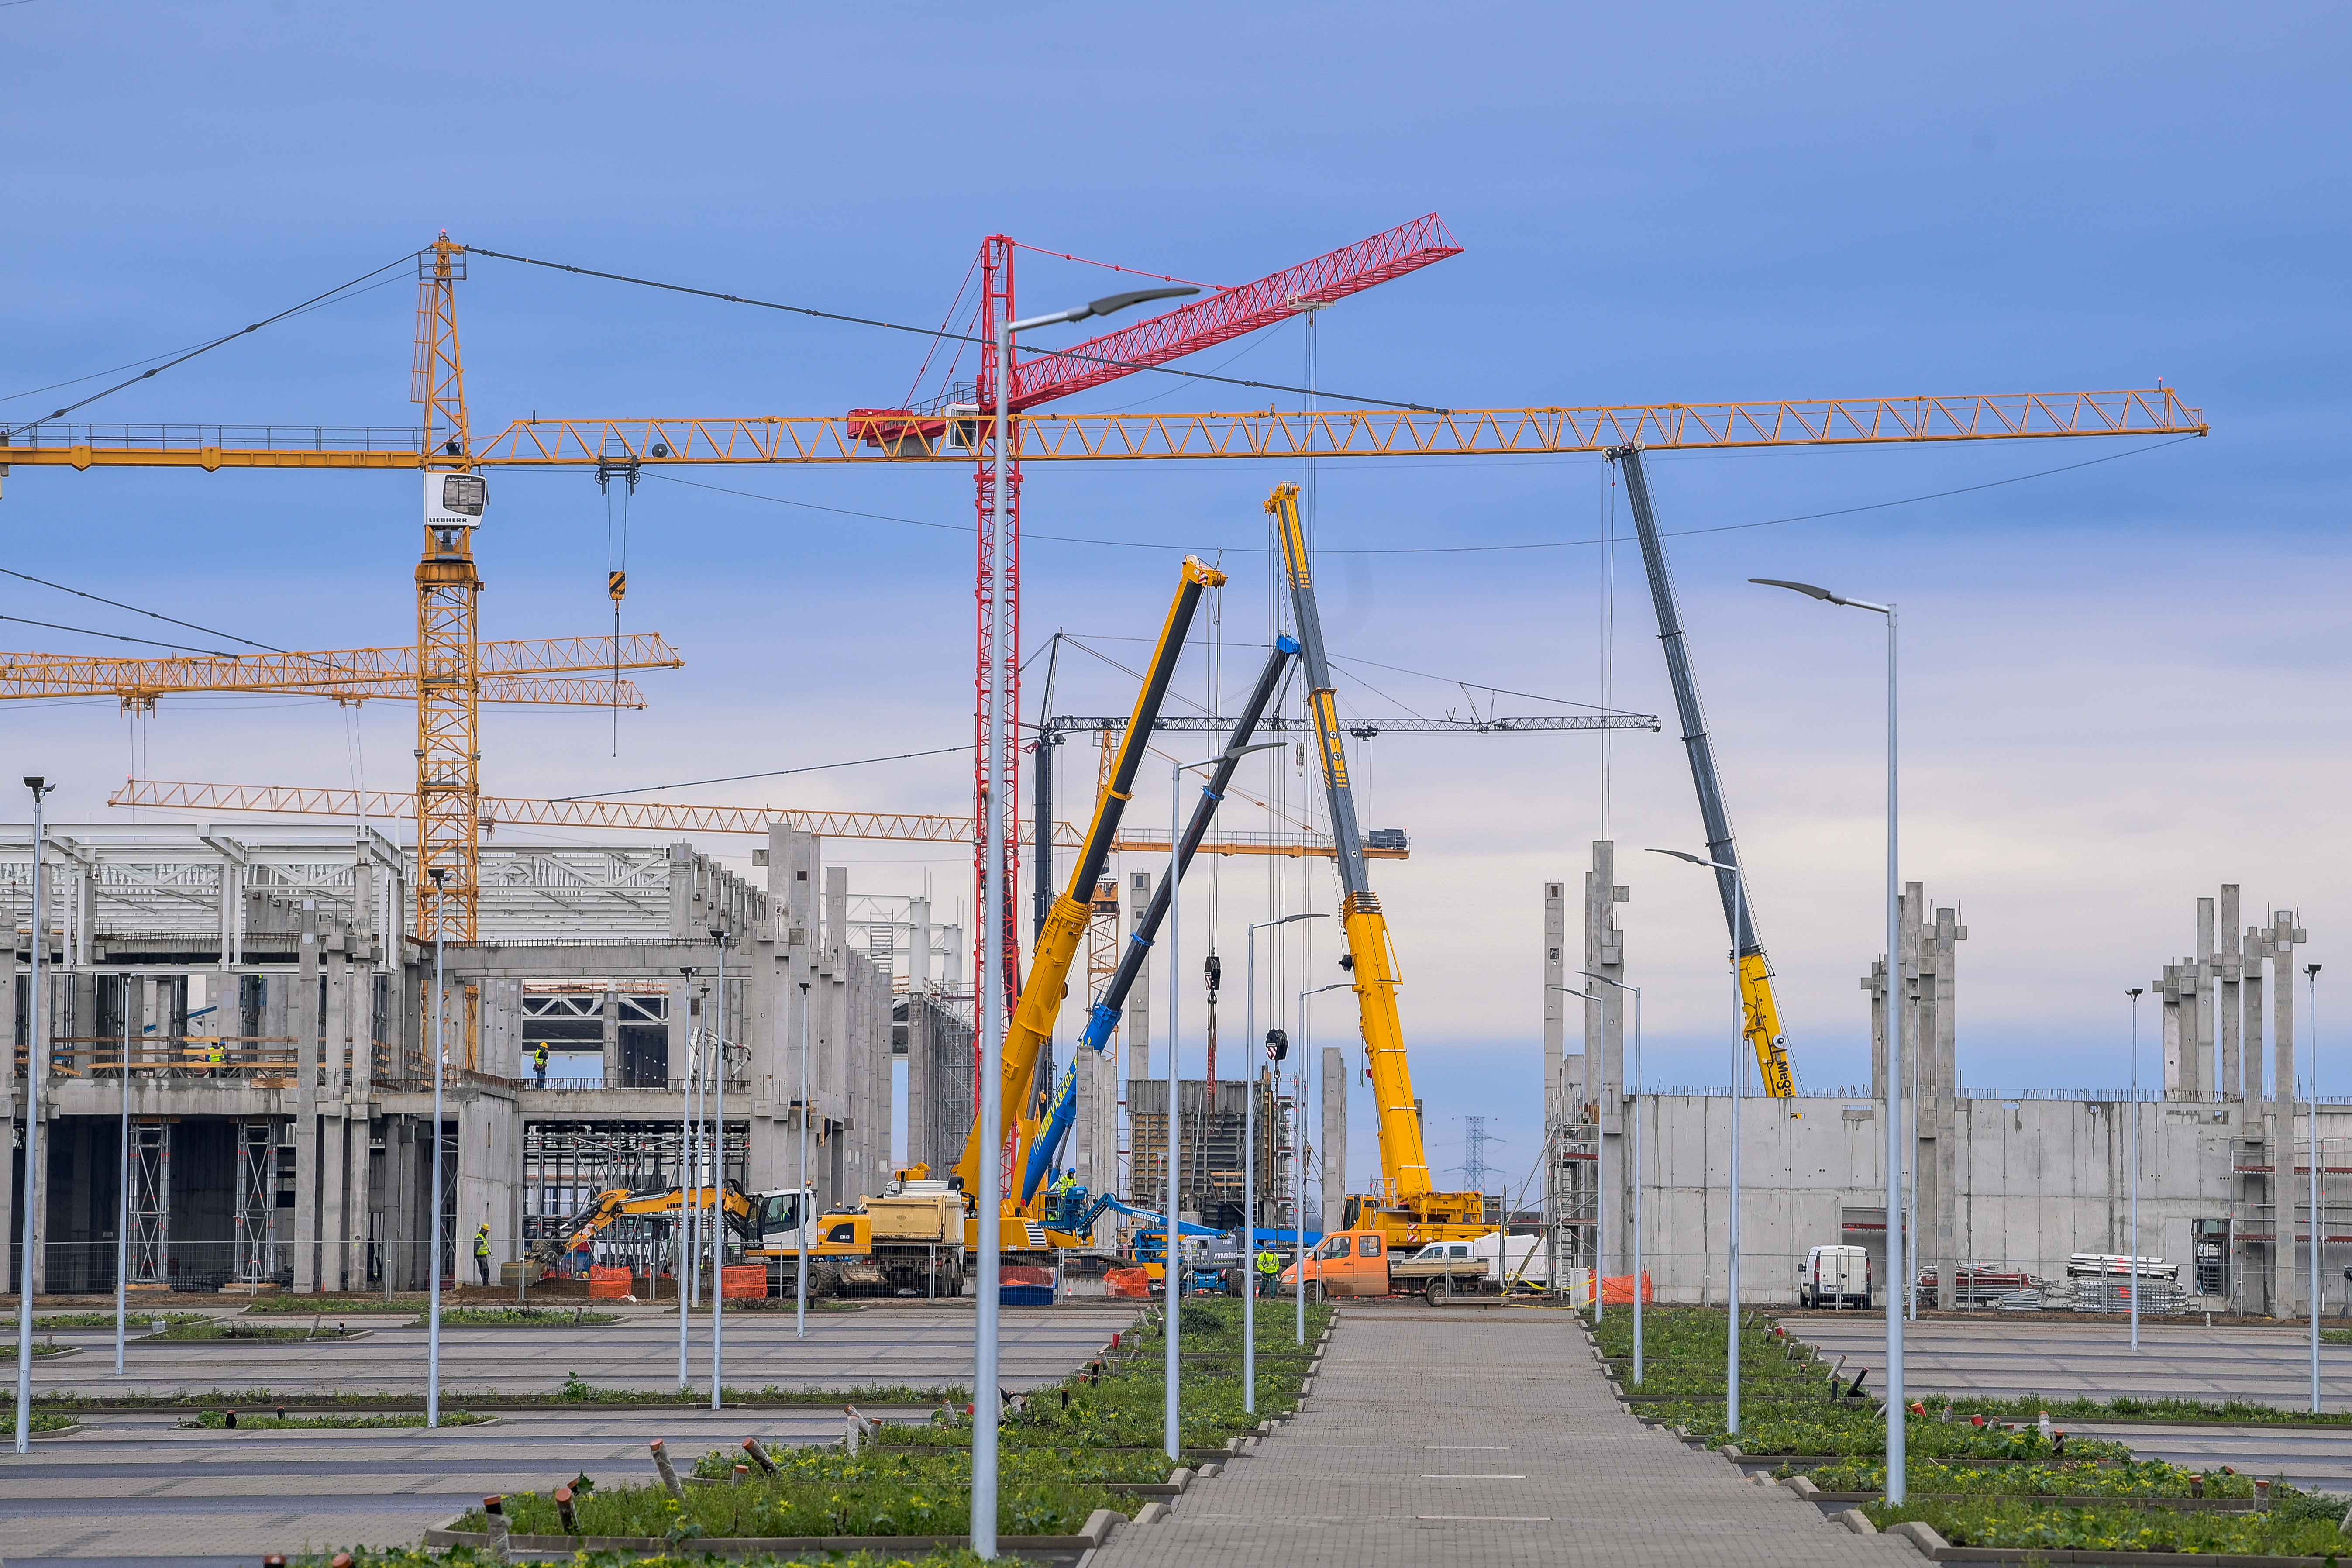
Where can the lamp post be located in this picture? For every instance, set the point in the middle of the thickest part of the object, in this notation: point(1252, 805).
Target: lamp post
point(718, 1178)
point(1632, 1162)
point(122, 1190)
point(991, 1198)
point(801, 1201)
point(1600, 1198)
point(687, 1244)
point(1738, 1093)
point(34, 1064)
point(1170, 1416)
point(2311, 1077)
point(1249, 1165)
point(1299, 1165)
point(433, 1277)
point(2131, 1152)
point(1897, 1240)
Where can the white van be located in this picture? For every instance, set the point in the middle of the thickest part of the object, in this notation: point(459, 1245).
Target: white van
point(1835, 1277)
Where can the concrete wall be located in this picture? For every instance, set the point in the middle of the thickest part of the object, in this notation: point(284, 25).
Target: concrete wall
point(2033, 1180)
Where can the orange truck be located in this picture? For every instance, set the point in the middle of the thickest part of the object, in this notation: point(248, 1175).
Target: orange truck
point(1361, 1263)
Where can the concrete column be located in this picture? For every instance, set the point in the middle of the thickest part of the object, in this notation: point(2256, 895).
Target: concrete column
point(303, 1018)
point(1138, 1019)
point(678, 1017)
point(1334, 1154)
point(1555, 1009)
point(1942, 1043)
point(2293, 1263)
point(2254, 954)
point(1876, 984)
point(2167, 988)
point(2228, 975)
point(2201, 1075)
point(12, 1093)
point(609, 1015)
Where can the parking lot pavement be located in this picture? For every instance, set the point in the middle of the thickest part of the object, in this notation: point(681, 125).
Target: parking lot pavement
point(915, 1344)
point(2016, 1355)
point(137, 1487)
point(2010, 1356)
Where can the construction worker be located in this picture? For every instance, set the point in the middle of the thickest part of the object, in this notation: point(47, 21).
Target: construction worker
point(539, 1064)
point(1269, 1269)
point(216, 1059)
point(482, 1253)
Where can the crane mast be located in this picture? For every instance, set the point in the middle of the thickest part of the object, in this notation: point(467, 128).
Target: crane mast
point(1761, 1010)
point(1065, 924)
point(1408, 1209)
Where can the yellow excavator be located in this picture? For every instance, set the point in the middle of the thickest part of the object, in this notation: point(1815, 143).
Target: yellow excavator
point(1407, 1210)
point(895, 1242)
point(1043, 1218)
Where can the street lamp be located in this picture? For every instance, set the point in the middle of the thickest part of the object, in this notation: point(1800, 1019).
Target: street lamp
point(1898, 1239)
point(990, 1199)
point(1249, 1165)
point(2131, 1152)
point(1632, 1162)
point(803, 1201)
point(1599, 1191)
point(2311, 974)
point(1738, 1092)
point(1298, 1162)
point(35, 1063)
point(686, 1240)
point(432, 1278)
point(719, 1178)
point(1174, 1294)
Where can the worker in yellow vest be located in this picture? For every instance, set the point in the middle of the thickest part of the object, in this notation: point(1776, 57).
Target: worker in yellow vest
point(538, 1063)
point(1269, 1269)
point(482, 1253)
point(216, 1059)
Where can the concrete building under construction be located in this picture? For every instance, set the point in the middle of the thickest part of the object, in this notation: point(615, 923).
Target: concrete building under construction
point(277, 1023)
point(2001, 1182)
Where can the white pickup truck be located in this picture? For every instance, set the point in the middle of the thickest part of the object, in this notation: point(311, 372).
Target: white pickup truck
point(1493, 1265)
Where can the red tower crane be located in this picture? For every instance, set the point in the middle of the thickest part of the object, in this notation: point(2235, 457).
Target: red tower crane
point(1047, 374)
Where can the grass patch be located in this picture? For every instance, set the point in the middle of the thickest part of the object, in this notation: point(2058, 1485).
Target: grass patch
point(823, 1491)
point(328, 1306)
point(517, 1317)
point(2124, 1481)
point(253, 1421)
point(234, 1329)
point(2298, 1525)
point(2236, 1412)
point(1063, 1449)
point(137, 1321)
point(40, 1348)
point(472, 1557)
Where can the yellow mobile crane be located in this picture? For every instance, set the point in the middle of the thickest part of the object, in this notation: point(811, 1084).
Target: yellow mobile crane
point(1407, 1210)
point(1057, 947)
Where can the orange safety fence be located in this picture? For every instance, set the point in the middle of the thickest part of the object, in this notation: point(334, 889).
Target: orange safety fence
point(607, 1284)
point(1617, 1290)
point(1134, 1284)
point(740, 1281)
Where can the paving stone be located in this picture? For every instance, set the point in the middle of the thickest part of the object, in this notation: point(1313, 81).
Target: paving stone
point(1470, 1438)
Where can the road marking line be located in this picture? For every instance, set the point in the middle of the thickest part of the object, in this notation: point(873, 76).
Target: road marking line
point(1478, 1477)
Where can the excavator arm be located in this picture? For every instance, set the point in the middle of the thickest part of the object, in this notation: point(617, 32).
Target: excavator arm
point(1413, 1204)
point(620, 1201)
point(1065, 924)
point(1761, 1009)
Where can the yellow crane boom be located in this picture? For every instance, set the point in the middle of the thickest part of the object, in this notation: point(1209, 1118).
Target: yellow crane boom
point(1408, 1208)
point(1065, 924)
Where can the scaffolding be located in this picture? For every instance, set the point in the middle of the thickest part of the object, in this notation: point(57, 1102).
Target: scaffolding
point(256, 1202)
point(151, 1203)
point(1209, 1184)
point(1573, 1195)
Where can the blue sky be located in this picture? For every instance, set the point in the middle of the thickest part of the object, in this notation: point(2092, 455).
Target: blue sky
point(2122, 679)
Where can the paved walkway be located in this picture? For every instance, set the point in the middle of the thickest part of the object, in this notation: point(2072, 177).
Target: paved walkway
point(2021, 1353)
point(1469, 1437)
